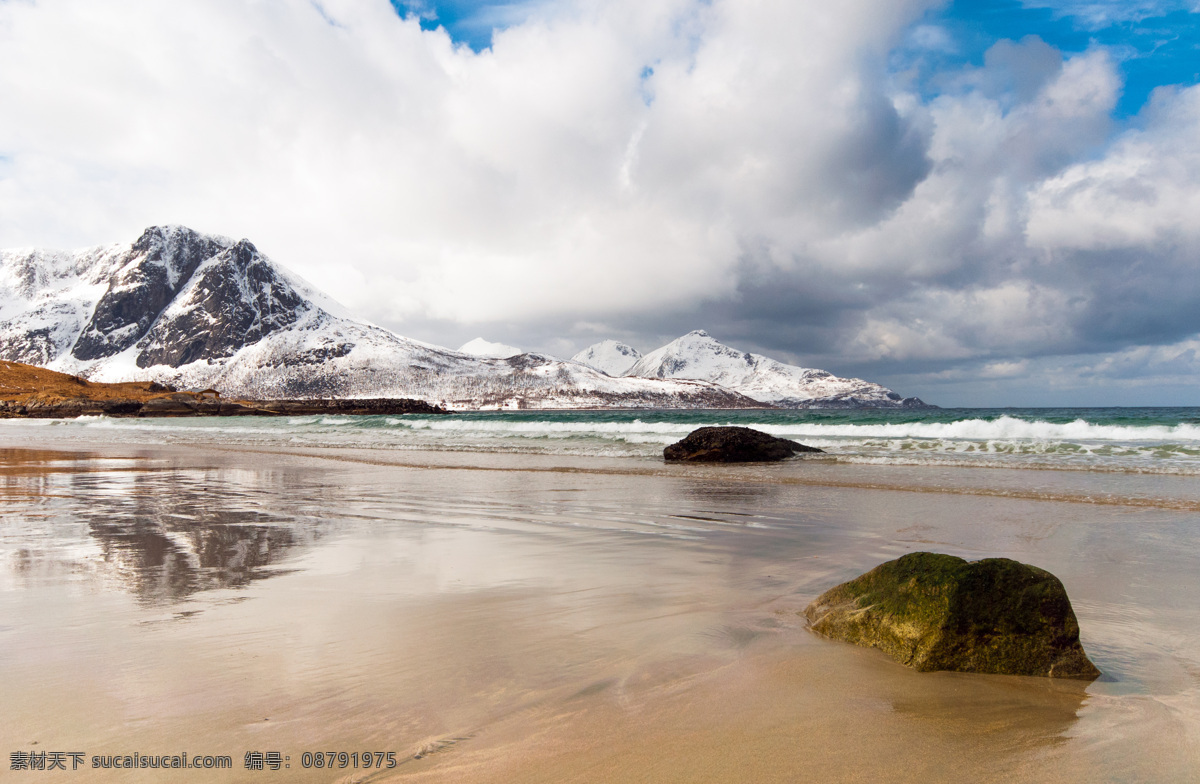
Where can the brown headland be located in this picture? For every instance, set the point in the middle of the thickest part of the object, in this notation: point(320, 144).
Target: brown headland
point(28, 391)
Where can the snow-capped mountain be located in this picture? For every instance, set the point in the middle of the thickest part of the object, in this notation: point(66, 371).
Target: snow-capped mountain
point(609, 356)
point(698, 356)
point(485, 348)
point(196, 310)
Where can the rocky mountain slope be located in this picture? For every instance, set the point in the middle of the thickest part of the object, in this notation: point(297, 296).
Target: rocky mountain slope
point(698, 356)
point(193, 310)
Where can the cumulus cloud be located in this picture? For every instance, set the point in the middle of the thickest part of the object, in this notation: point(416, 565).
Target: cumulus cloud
point(1142, 193)
point(592, 145)
point(638, 167)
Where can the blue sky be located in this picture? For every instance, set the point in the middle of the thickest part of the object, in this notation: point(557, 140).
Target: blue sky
point(1156, 42)
point(469, 22)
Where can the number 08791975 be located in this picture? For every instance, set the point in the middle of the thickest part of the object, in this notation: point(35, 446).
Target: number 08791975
point(348, 759)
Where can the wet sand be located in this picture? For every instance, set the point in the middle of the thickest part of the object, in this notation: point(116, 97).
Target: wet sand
point(508, 618)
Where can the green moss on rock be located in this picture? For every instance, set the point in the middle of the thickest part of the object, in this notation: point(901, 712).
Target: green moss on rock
point(932, 611)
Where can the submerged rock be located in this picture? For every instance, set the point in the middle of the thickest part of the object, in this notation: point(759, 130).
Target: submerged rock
point(931, 611)
point(732, 445)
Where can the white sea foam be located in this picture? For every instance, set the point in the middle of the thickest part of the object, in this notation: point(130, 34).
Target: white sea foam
point(550, 426)
point(1005, 428)
point(1005, 440)
point(1001, 441)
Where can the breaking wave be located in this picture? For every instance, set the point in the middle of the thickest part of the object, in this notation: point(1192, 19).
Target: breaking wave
point(1005, 428)
point(1158, 440)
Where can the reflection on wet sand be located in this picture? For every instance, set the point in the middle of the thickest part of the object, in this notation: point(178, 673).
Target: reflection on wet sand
point(15, 461)
point(554, 626)
point(159, 559)
point(159, 533)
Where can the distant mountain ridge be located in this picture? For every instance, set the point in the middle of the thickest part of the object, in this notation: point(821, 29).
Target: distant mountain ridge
point(195, 310)
point(698, 356)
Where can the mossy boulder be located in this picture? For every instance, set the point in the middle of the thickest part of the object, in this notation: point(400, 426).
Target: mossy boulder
point(732, 445)
point(931, 611)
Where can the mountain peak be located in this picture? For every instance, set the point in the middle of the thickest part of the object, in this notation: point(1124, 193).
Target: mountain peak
point(159, 264)
point(696, 355)
point(175, 236)
point(699, 356)
point(609, 356)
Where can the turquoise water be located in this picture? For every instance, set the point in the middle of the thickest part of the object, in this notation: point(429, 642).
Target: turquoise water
point(1152, 440)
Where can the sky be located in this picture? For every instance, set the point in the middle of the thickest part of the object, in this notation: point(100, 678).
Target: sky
point(984, 203)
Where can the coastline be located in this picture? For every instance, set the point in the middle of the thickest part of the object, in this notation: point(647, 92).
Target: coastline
point(32, 392)
point(188, 404)
point(501, 617)
point(1098, 485)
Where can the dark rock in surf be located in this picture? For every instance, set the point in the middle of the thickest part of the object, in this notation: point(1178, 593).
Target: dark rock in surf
point(931, 611)
point(732, 445)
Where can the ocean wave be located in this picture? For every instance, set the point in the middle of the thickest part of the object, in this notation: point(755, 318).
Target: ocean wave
point(996, 432)
point(1005, 428)
point(551, 426)
point(1001, 440)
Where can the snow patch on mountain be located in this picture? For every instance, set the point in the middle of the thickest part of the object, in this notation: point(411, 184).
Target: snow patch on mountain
point(698, 356)
point(483, 348)
point(609, 356)
point(47, 297)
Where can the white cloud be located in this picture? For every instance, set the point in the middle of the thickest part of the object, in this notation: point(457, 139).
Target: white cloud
point(608, 162)
point(414, 178)
point(1144, 191)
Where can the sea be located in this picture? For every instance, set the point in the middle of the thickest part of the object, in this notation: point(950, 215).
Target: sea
point(1124, 440)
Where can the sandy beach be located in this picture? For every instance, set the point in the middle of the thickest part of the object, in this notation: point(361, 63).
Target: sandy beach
point(568, 392)
point(497, 617)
